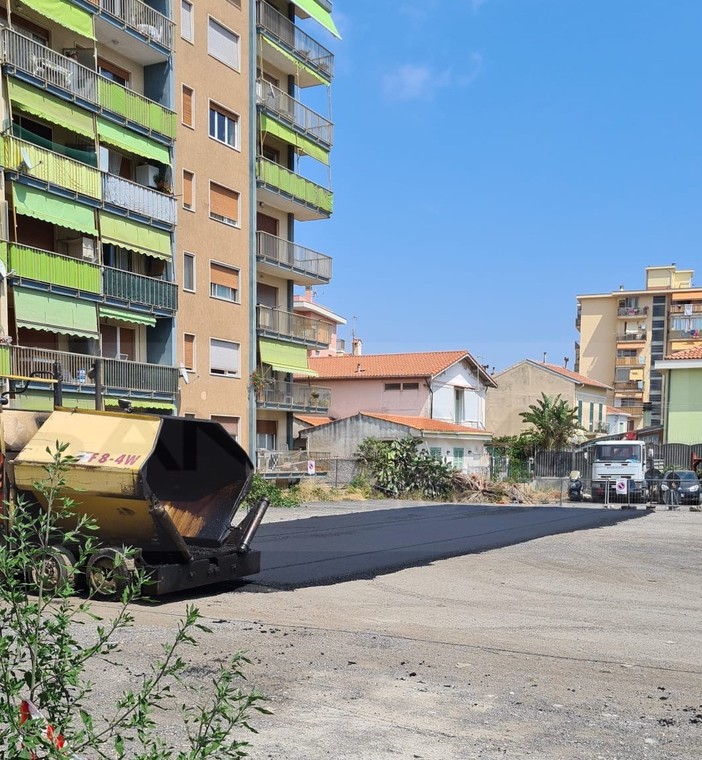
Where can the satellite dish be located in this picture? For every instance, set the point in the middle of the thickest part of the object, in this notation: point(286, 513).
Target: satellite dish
point(183, 373)
point(25, 165)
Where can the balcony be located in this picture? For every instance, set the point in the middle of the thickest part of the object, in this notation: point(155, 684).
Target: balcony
point(292, 193)
point(634, 409)
point(302, 265)
point(291, 111)
point(118, 377)
point(276, 323)
point(142, 200)
point(52, 169)
point(686, 309)
point(621, 385)
point(294, 397)
point(137, 289)
point(632, 337)
point(632, 311)
point(685, 335)
point(317, 62)
point(52, 268)
point(628, 361)
point(65, 77)
point(137, 19)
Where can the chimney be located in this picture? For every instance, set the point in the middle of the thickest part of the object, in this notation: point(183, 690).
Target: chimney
point(565, 362)
point(544, 357)
point(356, 347)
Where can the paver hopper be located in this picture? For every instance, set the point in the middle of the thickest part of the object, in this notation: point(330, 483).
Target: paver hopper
point(168, 487)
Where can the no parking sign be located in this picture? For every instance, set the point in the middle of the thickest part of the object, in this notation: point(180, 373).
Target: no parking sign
point(621, 486)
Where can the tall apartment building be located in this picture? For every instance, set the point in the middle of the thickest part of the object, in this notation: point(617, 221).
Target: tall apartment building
point(292, 145)
point(87, 219)
point(623, 334)
point(213, 181)
point(97, 284)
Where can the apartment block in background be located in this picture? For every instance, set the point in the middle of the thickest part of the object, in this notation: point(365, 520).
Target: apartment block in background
point(625, 332)
point(213, 184)
point(87, 216)
point(292, 186)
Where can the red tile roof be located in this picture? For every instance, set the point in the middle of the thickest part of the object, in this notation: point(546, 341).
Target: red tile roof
point(313, 420)
point(687, 353)
point(424, 423)
point(570, 375)
point(426, 364)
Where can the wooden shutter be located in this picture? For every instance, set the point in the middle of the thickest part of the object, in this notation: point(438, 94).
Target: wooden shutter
point(188, 181)
point(230, 424)
point(225, 276)
point(189, 351)
point(187, 106)
point(266, 427)
point(224, 202)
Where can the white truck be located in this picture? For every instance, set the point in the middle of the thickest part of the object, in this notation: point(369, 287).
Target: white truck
point(618, 469)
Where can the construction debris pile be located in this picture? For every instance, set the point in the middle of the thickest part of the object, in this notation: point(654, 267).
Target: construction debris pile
point(476, 488)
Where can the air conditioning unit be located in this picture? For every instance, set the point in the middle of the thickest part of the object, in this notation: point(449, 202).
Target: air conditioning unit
point(146, 175)
point(79, 248)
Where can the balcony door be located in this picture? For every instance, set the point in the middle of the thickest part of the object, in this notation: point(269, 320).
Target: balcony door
point(118, 342)
point(265, 223)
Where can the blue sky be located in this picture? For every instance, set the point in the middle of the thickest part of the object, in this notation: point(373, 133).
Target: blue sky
point(495, 158)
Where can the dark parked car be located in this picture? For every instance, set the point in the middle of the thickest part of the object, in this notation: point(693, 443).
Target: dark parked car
point(680, 487)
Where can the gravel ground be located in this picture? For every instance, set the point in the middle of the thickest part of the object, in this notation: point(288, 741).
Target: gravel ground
point(581, 646)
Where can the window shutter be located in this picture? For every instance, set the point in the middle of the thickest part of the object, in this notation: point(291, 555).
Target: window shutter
point(187, 106)
point(222, 43)
point(225, 276)
point(268, 427)
point(188, 189)
point(224, 202)
point(224, 356)
point(230, 424)
point(186, 20)
point(189, 351)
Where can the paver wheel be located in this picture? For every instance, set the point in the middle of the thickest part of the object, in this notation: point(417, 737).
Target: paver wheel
point(107, 573)
point(53, 568)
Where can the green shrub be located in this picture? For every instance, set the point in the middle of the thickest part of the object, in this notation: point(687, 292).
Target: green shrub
point(278, 497)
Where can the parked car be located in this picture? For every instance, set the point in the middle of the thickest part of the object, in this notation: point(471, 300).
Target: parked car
point(680, 487)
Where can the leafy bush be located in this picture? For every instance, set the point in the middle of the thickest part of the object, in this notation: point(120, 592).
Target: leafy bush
point(43, 660)
point(398, 468)
point(278, 497)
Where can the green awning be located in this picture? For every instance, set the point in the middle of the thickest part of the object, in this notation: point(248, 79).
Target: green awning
point(122, 315)
point(284, 132)
point(37, 310)
point(29, 201)
point(51, 109)
point(285, 357)
point(142, 404)
point(131, 142)
point(66, 14)
point(141, 238)
point(311, 72)
point(312, 8)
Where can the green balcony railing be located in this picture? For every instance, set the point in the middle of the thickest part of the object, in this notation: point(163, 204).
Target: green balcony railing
point(53, 268)
point(76, 81)
point(139, 289)
point(293, 185)
point(50, 167)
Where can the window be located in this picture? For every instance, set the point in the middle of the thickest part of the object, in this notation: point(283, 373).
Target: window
point(189, 352)
point(458, 458)
point(459, 408)
point(271, 154)
point(230, 424)
point(224, 282)
point(266, 431)
point(224, 126)
point(113, 72)
point(186, 20)
point(224, 204)
point(189, 272)
point(410, 386)
point(435, 452)
point(188, 190)
point(224, 358)
point(118, 342)
point(393, 386)
point(222, 43)
point(187, 106)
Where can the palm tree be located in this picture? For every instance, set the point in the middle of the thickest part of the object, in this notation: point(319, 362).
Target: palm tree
point(555, 423)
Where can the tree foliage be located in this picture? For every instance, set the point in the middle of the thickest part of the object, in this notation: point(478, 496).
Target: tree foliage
point(554, 423)
point(398, 468)
point(44, 653)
